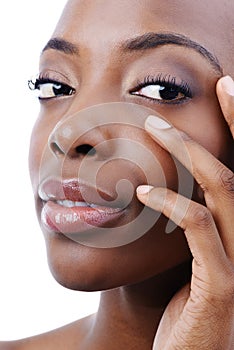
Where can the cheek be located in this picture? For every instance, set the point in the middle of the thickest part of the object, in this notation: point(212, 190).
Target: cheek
point(210, 130)
point(146, 161)
point(39, 139)
point(203, 122)
point(49, 116)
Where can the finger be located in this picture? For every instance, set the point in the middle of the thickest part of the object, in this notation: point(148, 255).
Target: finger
point(196, 221)
point(216, 180)
point(225, 92)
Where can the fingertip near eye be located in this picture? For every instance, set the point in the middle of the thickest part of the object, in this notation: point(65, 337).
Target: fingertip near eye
point(225, 93)
point(226, 84)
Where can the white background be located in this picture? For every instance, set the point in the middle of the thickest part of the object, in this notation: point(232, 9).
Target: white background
point(31, 302)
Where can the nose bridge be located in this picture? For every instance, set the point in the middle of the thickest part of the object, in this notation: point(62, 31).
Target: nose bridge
point(100, 83)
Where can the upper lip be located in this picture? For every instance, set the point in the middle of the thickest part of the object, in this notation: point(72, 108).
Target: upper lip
point(76, 191)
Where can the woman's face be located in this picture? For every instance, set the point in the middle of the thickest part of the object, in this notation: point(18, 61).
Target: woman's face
point(166, 56)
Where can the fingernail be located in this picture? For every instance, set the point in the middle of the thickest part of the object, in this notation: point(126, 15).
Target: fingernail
point(228, 85)
point(157, 123)
point(144, 189)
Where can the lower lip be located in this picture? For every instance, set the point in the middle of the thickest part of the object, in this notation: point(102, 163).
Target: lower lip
point(57, 218)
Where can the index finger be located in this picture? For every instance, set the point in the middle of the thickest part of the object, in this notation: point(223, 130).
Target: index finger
point(215, 179)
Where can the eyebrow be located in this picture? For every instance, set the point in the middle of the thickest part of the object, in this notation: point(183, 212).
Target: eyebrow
point(144, 42)
point(153, 40)
point(61, 45)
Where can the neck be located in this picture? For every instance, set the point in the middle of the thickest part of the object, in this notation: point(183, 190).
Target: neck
point(130, 315)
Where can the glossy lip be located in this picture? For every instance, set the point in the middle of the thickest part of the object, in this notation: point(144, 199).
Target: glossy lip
point(58, 218)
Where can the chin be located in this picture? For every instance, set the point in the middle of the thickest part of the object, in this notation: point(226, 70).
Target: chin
point(76, 267)
point(89, 269)
point(78, 280)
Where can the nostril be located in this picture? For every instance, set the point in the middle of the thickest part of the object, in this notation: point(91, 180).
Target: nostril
point(86, 150)
point(74, 151)
point(56, 149)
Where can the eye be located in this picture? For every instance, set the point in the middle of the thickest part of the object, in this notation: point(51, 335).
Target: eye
point(47, 89)
point(158, 92)
point(163, 89)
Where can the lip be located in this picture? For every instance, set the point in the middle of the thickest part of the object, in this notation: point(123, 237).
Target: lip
point(99, 207)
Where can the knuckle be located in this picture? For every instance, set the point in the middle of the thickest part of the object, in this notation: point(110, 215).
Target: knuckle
point(186, 137)
point(201, 216)
point(170, 199)
point(226, 177)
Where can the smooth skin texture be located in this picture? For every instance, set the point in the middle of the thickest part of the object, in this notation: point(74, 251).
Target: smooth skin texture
point(105, 64)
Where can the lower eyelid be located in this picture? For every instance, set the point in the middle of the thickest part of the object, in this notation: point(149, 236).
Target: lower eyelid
point(151, 101)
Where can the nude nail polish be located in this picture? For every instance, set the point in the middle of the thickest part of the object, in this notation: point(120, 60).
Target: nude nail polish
point(157, 123)
point(228, 85)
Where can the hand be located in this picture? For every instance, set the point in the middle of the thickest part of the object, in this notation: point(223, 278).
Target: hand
point(201, 315)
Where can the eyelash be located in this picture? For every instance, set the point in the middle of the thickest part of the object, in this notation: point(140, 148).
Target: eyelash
point(166, 81)
point(41, 80)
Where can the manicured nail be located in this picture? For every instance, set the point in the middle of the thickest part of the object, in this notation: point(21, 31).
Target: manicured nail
point(157, 123)
point(144, 189)
point(228, 85)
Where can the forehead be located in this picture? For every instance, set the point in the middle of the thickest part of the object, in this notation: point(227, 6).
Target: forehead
point(101, 24)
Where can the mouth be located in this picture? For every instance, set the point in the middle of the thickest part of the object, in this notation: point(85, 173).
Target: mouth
point(69, 206)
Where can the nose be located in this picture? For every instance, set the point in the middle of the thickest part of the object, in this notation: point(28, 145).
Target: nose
point(67, 139)
point(63, 142)
point(84, 149)
point(83, 134)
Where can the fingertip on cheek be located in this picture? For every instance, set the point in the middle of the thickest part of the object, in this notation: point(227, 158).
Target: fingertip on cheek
point(154, 122)
point(143, 190)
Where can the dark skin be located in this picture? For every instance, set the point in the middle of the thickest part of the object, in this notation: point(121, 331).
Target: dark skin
point(136, 279)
